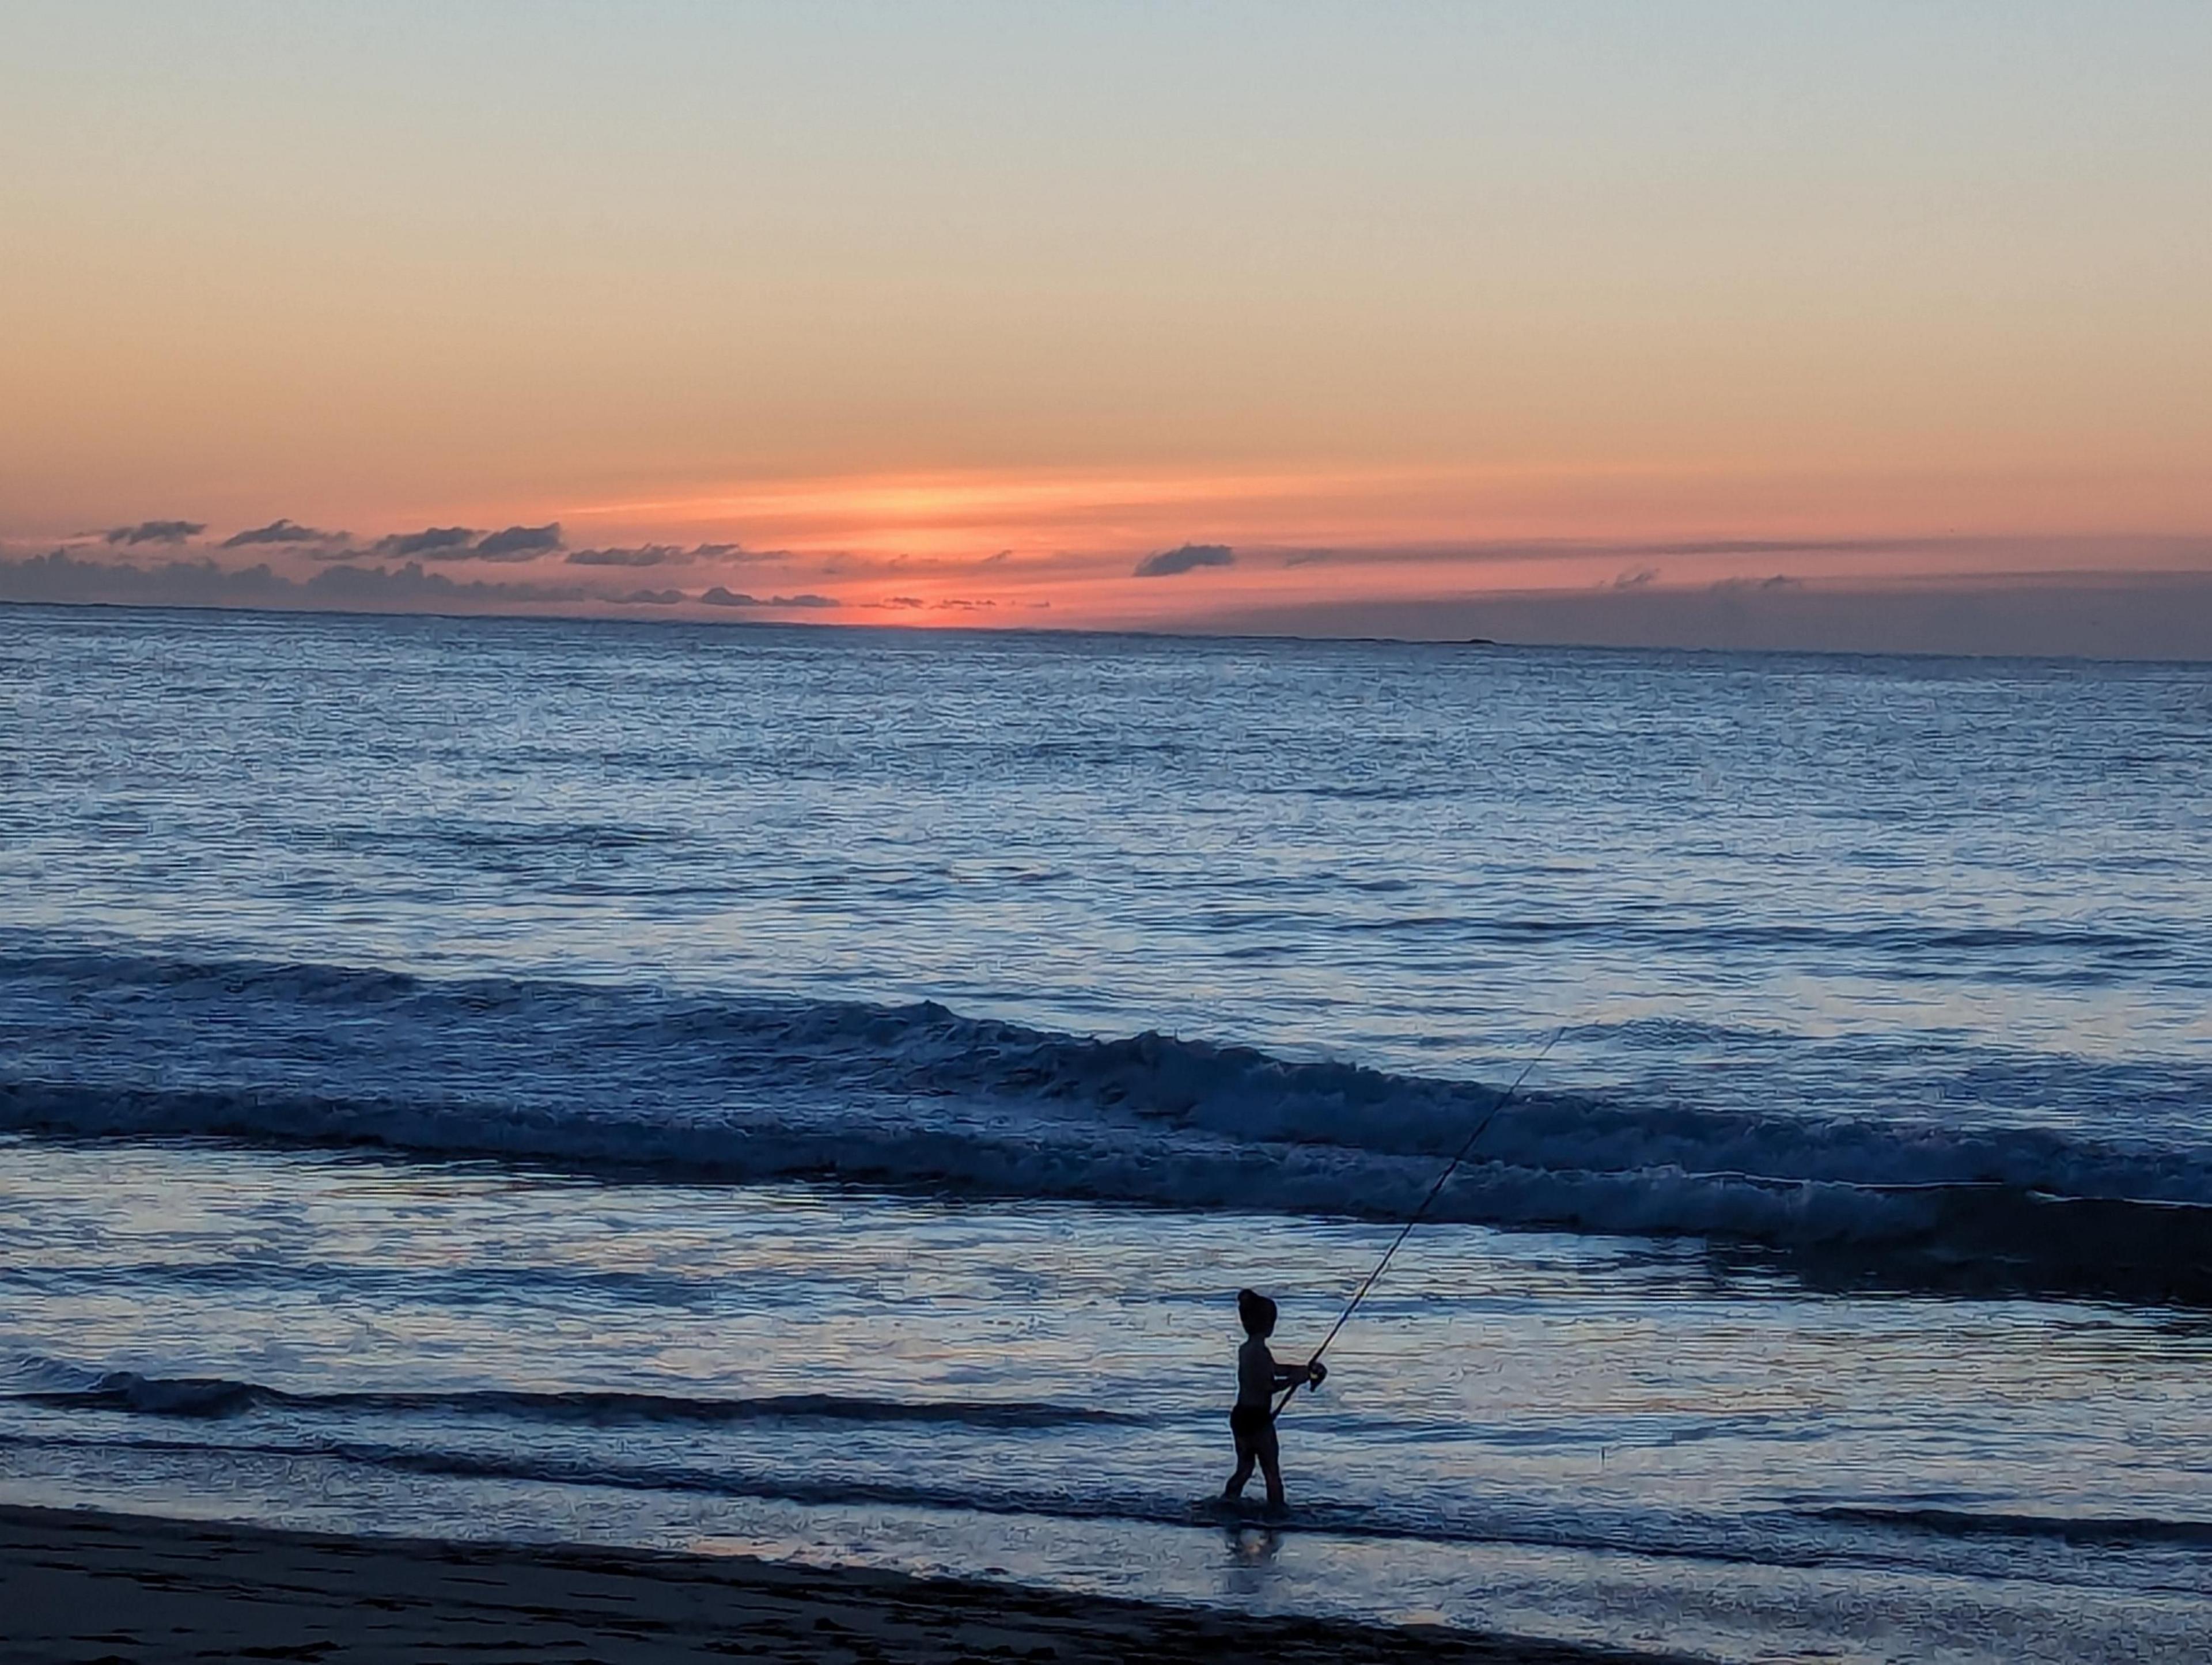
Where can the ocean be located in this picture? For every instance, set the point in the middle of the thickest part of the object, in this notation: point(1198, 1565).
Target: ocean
point(817, 1093)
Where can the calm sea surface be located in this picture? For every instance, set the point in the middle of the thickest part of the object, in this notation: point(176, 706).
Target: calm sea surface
point(817, 1092)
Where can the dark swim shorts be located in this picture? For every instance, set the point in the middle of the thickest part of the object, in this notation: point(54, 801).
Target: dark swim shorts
point(1253, 1427)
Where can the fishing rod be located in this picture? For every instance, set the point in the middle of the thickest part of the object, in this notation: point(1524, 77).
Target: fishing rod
point(1414, 1218)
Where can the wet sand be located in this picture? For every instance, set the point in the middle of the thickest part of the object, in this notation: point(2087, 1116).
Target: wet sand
point(100, 1589)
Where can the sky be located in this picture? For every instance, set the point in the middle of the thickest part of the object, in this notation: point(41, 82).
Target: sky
point(1608, 321)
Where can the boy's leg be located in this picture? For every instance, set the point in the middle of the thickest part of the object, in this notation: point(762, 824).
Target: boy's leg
point(1235, 1489)
point(1271, 1465)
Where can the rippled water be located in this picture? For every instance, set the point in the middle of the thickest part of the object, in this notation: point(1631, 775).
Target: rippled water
point(827, 1084)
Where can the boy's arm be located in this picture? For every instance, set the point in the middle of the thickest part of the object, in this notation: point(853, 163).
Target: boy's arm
point(1288, 1375)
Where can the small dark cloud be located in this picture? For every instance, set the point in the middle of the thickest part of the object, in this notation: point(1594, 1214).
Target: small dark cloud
point(156, 531)
point(519, 543)
point(957, 606)
point(903, 601)
point(280, 531)
point(1306, 557)
point(1637, 579)
point(645, 554)
point(435, 541)
point(900, 566)
point(1186, 557)
point(998, 560)
point(651, 597)
point(719, 597)
point(1779, 581)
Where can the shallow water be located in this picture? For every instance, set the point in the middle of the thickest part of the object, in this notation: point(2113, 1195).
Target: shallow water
point(1521, 1427)
point(1842, 1284)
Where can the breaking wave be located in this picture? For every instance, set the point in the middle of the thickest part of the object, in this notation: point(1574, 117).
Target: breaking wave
point(720, 1089)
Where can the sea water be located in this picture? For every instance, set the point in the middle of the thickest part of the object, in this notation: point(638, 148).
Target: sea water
point(817, 1093)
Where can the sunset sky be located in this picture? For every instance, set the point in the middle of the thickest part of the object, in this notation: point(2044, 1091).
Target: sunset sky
point(1285, 316)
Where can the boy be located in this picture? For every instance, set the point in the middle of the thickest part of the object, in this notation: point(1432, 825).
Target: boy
point(1258, 1376)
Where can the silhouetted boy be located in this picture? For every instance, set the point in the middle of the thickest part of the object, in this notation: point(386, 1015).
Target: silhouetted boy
point(1258, 1376)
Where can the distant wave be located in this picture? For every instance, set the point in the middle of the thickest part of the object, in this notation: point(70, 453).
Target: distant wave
point(734, 1089)
point(216, 1397)
point(2133, 1532)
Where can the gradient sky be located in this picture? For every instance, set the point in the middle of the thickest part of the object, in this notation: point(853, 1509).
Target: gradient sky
point(930, 304)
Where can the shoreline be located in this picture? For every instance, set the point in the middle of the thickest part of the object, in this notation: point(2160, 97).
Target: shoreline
point(89, 1586)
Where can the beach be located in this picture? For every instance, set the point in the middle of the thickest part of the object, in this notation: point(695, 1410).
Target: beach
point(94, 1588)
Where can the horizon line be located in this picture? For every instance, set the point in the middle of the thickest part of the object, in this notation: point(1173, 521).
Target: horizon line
point(495, 616)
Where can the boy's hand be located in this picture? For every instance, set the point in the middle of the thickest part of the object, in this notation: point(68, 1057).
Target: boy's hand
point(1316, 1372)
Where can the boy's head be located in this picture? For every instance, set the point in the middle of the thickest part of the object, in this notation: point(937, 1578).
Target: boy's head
point(1257, 1312)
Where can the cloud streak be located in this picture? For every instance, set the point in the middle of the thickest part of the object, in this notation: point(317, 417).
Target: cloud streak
point(514, 544)
point(672, 555)
point(156, 531)
point(1184, 558)
point(436, 543)
point(519, 543)
point(719, 597)
point(645, 554)
point(280, 531)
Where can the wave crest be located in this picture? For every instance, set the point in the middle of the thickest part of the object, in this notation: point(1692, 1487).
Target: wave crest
point(722, 1089)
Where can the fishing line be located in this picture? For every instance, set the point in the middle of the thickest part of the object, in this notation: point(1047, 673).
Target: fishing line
point(1414, 1218)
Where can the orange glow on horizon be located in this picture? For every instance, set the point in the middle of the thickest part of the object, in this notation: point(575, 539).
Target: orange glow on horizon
point(1038, 547)
point(977, 511)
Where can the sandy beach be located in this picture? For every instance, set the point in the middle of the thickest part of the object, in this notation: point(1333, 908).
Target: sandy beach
point(95, 1588)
